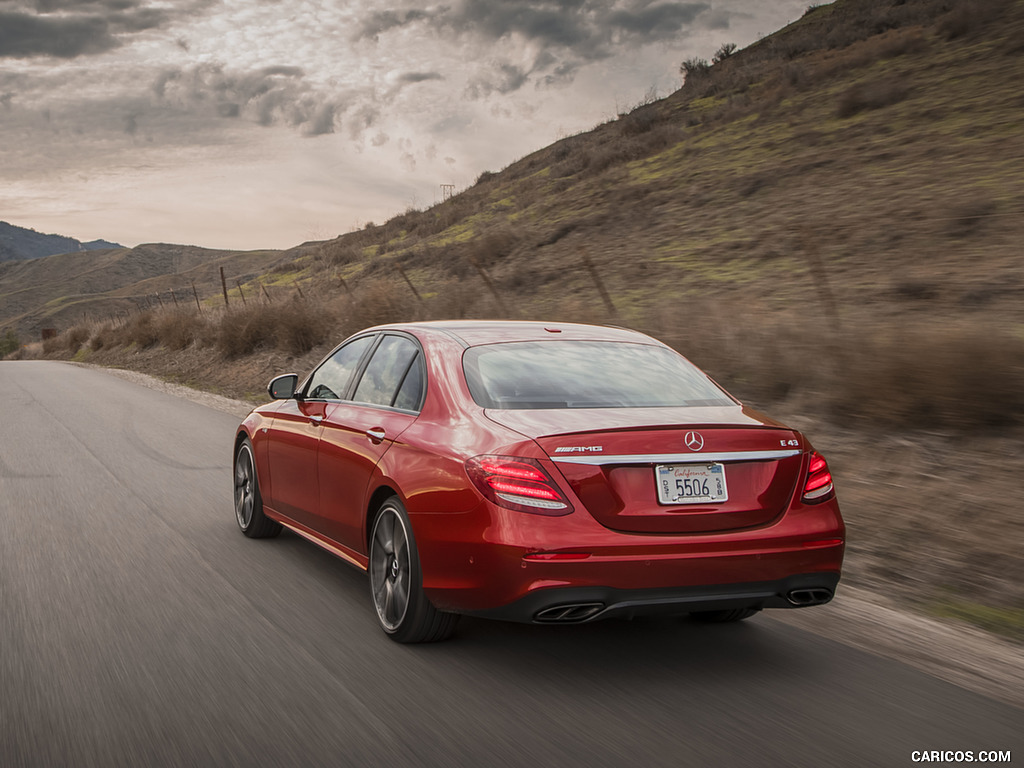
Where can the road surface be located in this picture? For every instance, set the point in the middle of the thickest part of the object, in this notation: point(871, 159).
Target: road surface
point(139, 627)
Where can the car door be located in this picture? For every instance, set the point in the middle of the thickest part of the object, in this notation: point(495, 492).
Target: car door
point(385, 402)
point(295, 433)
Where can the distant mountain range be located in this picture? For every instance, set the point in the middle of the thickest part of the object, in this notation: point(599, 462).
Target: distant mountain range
point(19, 243)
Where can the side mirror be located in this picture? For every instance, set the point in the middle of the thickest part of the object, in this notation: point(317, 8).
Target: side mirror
point(283, 387)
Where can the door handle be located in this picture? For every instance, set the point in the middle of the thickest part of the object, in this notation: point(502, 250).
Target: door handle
point(315, 420)
point(376, 435)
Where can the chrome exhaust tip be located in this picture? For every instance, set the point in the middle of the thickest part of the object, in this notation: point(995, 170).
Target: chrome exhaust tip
point(806, 597)
point(568, 614)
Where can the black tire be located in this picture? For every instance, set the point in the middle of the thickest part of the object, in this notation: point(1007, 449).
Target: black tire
point(726, 616)
point(396, 581)
point(248, 500)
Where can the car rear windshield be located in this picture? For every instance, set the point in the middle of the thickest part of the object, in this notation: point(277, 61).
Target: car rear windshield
point(585, 374)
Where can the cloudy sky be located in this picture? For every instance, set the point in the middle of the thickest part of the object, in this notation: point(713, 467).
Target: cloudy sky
point(264, 123)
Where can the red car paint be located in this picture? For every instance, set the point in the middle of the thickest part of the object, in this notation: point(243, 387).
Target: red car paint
point(325, 468)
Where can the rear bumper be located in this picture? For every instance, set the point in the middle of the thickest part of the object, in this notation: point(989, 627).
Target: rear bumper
point(505, 564)
point(577, 605)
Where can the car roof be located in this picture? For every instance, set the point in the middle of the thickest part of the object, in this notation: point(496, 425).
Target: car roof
point(474, 332)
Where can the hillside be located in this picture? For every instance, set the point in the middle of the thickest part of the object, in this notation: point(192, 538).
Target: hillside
point(18, 243)
point(67, 289)
point(829, 221)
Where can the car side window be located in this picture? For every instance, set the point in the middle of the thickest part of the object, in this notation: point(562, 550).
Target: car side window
point(410, 392)
point(386, 371)
point(331, 380)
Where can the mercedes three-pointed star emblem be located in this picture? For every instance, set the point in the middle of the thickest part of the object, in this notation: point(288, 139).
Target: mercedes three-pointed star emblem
point(694, 441)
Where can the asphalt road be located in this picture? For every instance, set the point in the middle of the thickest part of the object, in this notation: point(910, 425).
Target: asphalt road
point(139, 627)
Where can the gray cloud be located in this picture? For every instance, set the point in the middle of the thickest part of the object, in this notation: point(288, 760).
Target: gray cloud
point(504, 78)
point(657, 22)
point(23, 36)
point(419, 77)
point(571, 33)
point(67, 29)
point(322, 120)
point(276, 95)
point(379, 22)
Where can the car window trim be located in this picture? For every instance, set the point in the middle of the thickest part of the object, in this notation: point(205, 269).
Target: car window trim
point(357, 374)
point(363, 363)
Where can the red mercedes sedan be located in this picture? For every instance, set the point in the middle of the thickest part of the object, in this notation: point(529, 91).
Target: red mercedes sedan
point(547, 473)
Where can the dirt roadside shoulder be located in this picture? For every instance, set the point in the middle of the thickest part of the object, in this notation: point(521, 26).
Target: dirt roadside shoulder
point(860, 618)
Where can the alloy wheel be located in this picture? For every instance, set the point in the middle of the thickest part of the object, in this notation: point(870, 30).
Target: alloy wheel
point(390, 569)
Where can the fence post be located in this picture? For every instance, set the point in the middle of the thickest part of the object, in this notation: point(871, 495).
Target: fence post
point(487, 281)
point(605, 297)
point(224, 286)
point(398, 268)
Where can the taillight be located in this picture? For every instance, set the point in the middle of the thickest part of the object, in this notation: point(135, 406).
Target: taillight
point(519, 484)
point(818, 485)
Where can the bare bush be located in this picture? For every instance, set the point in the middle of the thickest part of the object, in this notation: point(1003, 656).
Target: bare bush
point(102, 337)
point(9, 343)
point(178, 329)
point(875, 95)
point(724, 52)
point(140, 329)
point(932, 378)
point(495, 244)
point(302, 325)
point(694, 69)
point(908, 377)
point(379, 301)
point(244, 330)
point(75, 337)
point(967, 17)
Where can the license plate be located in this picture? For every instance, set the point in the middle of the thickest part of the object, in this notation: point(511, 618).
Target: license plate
point(691, 483)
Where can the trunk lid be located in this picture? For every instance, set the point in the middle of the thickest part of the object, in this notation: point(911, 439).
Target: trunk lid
point(609, 458)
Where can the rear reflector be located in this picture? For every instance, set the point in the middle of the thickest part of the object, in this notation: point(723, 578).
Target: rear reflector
point(818, 485)
point(517, 483)
point(558, 557)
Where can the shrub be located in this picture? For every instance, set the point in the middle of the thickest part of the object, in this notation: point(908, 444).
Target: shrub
point(724, 52)
point(495, 244)
point(104, 336)
point(302, 325)
point(931, 378)
point(378, 301)
point(638, 121)
point(865, 96)
point(244, 330)
point(179, 328)
point(9, 343)
point(694, 69)
point(139, 329)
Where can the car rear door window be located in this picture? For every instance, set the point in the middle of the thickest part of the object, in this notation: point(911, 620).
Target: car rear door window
point(332, 379)
point(389, 367)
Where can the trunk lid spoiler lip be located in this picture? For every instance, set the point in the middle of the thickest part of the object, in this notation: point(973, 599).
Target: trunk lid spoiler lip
point(678, 458)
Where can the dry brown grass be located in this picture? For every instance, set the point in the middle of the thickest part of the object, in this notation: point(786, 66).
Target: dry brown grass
point(179, 329)
point(877, 94)
point(906, 376)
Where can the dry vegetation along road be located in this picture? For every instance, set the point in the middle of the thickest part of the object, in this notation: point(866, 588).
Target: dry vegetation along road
point(140, 628)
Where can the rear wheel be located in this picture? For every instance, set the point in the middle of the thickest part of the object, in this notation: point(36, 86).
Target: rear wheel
point(722, 617)
point(396, 582)
point(248, 501)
